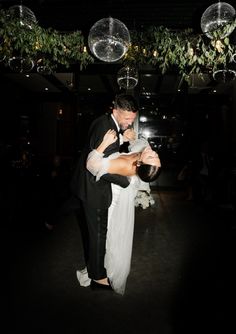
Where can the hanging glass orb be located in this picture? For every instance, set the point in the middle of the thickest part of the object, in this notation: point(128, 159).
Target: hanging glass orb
point(224, 76)
point(127, 77)
point(109, 39)
point(44, 69)
point(44, 66)
point(20, 64)
point(216, 16)
point(2, 58)
point(24, 14)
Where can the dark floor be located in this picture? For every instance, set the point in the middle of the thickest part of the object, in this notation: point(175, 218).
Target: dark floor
point(182, 278)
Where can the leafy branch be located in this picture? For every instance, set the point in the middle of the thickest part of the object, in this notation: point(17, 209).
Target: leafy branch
point(184, 52)
point(38, 44)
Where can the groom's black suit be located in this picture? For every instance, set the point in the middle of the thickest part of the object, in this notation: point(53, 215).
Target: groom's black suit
point(96, 196)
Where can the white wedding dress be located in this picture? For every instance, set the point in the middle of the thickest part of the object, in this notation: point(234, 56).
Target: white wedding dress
point(121, 214)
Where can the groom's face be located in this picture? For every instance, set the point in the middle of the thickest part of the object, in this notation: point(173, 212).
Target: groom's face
point(124, 118)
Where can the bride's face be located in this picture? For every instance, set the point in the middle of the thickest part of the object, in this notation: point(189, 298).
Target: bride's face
point(150, 157)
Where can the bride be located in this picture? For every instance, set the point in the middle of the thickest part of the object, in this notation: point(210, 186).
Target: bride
point(142, 165)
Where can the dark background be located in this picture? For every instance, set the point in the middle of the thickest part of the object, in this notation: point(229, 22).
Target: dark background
point(37, 125)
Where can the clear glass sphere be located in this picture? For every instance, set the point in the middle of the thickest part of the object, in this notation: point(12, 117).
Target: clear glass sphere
point(24, 14)
point(127, 77)
point(2, 58)
point(44, 69)
point(224, 76)
point(109, 39)
point(215, 16)
point(20, 64)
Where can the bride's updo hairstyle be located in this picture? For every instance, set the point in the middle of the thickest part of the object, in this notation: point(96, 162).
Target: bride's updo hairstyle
point(148, 173)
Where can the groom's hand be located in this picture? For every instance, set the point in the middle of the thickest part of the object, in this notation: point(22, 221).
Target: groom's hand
point(129, 135)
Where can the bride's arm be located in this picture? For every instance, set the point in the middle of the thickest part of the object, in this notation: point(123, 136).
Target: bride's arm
point(109, 138)
point(96, 164)
point(124, 165)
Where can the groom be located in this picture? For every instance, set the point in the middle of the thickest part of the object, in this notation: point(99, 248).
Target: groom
point(95, 197)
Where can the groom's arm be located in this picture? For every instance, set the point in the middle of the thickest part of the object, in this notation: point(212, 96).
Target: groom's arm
point(120, 180)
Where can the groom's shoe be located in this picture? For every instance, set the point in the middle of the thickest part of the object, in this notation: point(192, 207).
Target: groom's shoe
point(98, 286)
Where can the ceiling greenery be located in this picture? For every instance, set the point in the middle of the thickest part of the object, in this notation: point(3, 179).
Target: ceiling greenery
point(184, 52)
point(44, 46)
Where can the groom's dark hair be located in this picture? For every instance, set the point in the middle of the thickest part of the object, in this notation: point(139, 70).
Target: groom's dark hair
point(126, 102)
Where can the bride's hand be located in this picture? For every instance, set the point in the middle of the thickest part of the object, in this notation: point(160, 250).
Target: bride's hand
point(110, 137)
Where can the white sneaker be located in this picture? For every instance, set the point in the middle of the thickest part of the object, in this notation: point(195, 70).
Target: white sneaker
point(82, 276)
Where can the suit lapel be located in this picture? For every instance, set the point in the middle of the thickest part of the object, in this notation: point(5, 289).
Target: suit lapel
point(115, 146)
point(114, 127)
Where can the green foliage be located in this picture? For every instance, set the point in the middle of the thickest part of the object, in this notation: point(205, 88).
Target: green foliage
point(43, 46)
point(182, 51)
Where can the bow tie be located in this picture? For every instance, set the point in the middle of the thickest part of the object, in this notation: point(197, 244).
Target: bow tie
point(120, 136)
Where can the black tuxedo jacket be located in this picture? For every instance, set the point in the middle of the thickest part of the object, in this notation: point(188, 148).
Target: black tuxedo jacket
point(97, 194)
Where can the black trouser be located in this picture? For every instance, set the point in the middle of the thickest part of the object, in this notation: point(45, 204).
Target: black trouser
point(94, 231)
